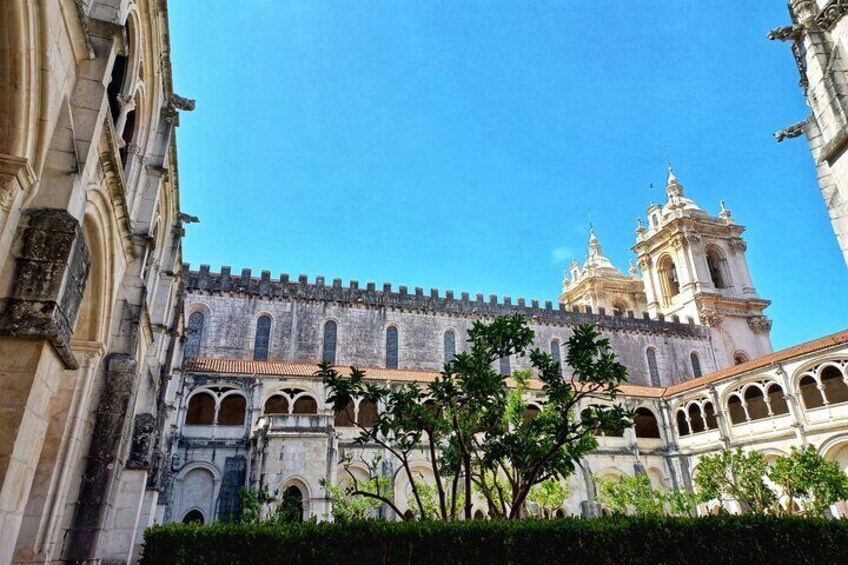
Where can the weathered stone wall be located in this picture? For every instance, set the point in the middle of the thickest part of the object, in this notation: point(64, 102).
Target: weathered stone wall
point(300, 309)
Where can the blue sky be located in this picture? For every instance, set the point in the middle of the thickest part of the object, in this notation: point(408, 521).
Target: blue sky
point(464, 145)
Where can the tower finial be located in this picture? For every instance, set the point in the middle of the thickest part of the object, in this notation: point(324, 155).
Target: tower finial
point(672, 178)
point(723, 212)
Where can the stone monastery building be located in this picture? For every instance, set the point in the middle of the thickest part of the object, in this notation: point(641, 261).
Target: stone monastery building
point(134, 390)
point(690, 328)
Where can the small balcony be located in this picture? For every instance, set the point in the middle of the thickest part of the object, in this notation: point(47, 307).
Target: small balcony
point(297, 423)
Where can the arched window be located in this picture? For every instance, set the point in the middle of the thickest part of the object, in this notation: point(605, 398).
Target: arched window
point(619, 308)
point(645, 424)
point(835, 389)
point(344, 417)
point(305, 405)
point(556, 351)
point(716, 265)
point(194, 334)
point(740, 357)
point(776, 400)
point(653, 371)
point(530, 412)
point(478, 515)
point(696, 419)
point(232, 410)
point(682, 424)
point(710, 416)
point(504, 366)
point(755, 402)
point(391, 347)
point(668, 278)
point(291, 509)
point(449, 346)
point(277, 404)
point(696, 364)
point(263, 337)
point(810, 393)
point(127, 134)
point(115, 87)
point(736, 410)
point(655, 220)
point(367, 413)
point(193, 517)
point(329, 353)
point(201, 410)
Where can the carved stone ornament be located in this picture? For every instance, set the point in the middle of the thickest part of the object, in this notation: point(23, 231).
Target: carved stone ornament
point(827, 18)
point(804, 10)
point(803, 81)
point(759, 324)
point(710, 317)
point(8, 191)
point(738, 245)
point(786, 33)
point(182, 103)
point(792, 131)
point(15, 175)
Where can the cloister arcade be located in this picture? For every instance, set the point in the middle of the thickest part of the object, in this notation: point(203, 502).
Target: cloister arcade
point(291, 437)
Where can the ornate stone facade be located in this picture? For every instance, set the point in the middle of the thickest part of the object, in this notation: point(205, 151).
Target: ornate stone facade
point(819, 36)
point(89, 274)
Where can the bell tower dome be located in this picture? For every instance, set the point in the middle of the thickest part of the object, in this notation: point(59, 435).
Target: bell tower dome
point(694, 266)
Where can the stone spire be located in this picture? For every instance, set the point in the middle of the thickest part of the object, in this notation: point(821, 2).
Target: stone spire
point(594, 245)
point(595, 261)
point(676, 198)
point(672, 187)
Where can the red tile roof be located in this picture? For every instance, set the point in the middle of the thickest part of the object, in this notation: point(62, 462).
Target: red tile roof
point(825, 342)
point(307, 370)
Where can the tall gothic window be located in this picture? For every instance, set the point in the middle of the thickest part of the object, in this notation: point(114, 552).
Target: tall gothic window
point(194, 335)
point(653, 370)
point(391, 347)
point(450, 346)
point(556, 352)
point(329, 352)
point(263, 337)
point(504, 366)
point(696, 364)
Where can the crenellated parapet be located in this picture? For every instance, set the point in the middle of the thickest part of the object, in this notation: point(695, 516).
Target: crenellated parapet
point(416, 299)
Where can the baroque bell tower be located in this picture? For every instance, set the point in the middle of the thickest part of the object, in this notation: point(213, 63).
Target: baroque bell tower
point(693, 266)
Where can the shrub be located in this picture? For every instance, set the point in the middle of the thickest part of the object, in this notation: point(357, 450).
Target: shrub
point(617, 540)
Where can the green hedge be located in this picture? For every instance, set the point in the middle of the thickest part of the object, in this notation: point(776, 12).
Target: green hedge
point(717, 540)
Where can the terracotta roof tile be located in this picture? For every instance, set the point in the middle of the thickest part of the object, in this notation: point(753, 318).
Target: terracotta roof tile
point(838, 338)
point(306, 370)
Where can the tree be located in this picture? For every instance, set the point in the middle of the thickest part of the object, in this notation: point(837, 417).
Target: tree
point(736, 474)
point(470, 422)
point(549, 496)
point(807, 482)
point(348, 501)
point(262, 505)
point(635, 495)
